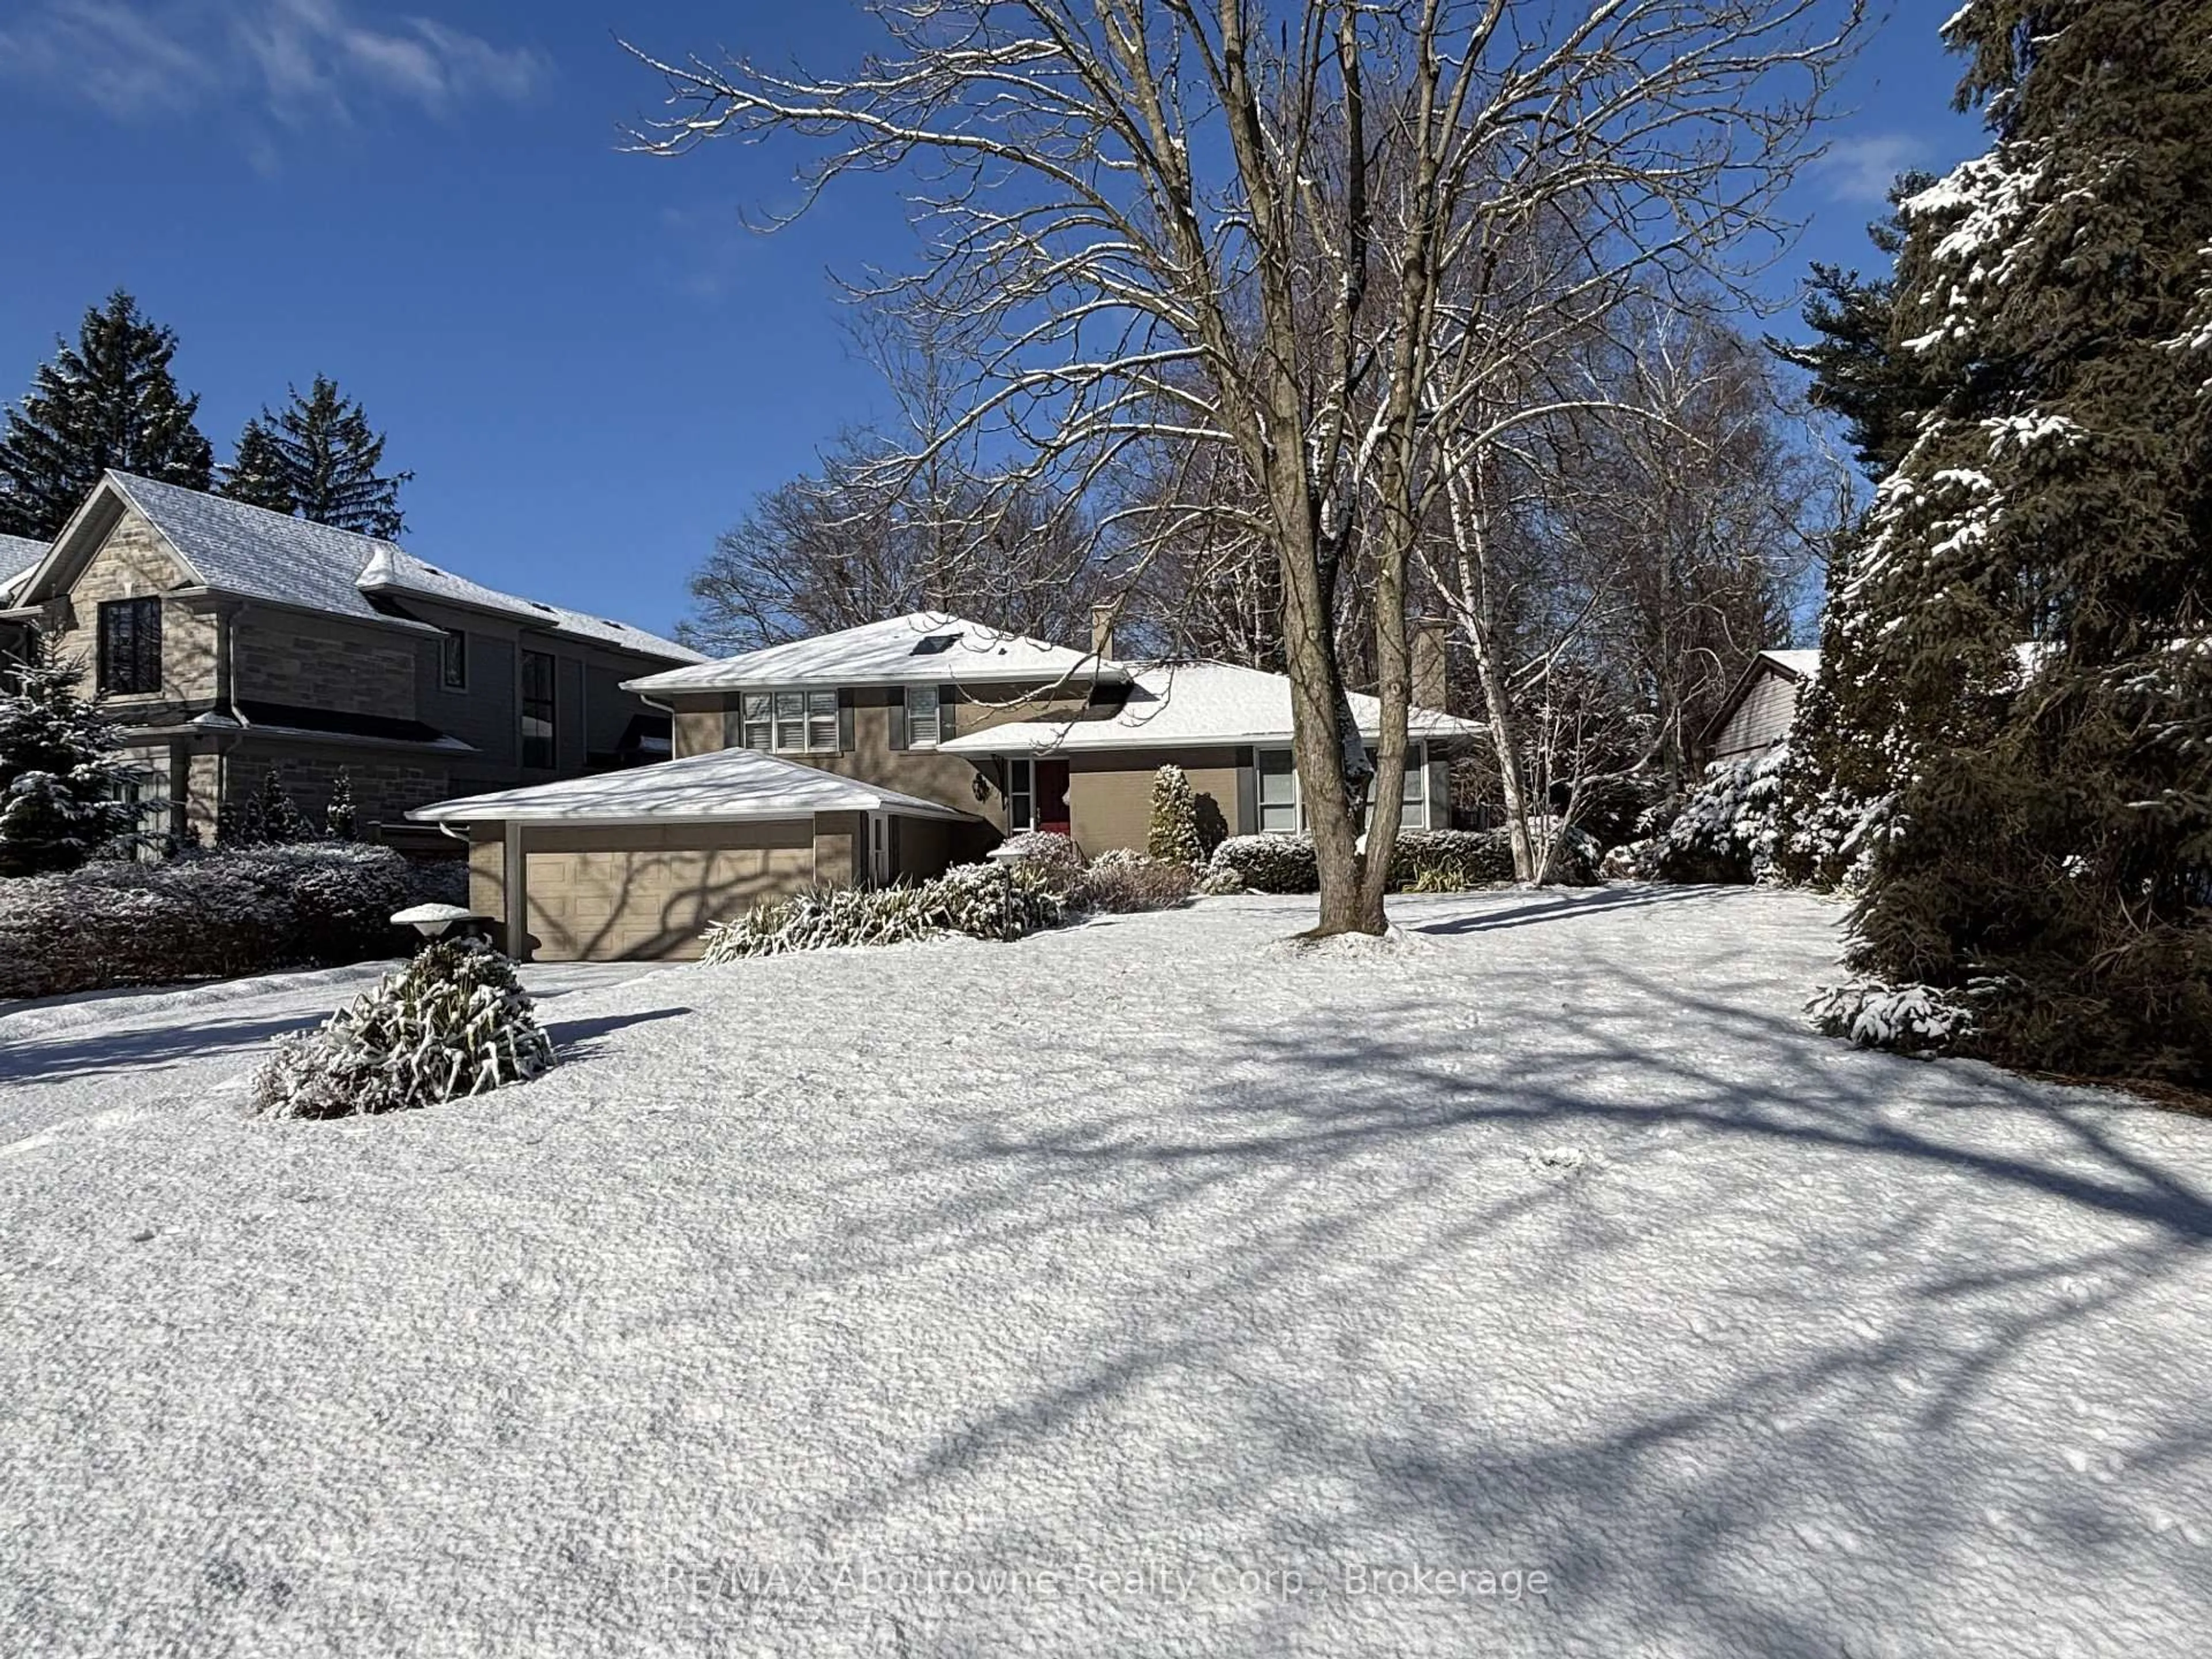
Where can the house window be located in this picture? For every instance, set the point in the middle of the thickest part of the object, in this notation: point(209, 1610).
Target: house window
point(1021, 796)
point(131, 646)
point(1282, 807)
point(923, 728)
point(537, 747)
point(1279, 794)
point(793, 722)
point(453, 660)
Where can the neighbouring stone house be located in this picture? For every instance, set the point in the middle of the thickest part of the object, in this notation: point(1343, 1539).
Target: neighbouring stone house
point(230, 640)
point(892, 751)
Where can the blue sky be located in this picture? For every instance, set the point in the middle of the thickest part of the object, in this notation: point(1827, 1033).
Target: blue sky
point(588, 363)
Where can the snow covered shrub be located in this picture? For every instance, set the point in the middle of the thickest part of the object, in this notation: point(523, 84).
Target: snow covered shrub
point(1120, 881)
point(1046, 852)
point(1728, 830)
point(454, 1022)
point(1451, 860)
point(1912, 1019)
point(1174, 837)
point(1217, 881)
point(1270, 863)
point(1000, 901)
point(212, 915)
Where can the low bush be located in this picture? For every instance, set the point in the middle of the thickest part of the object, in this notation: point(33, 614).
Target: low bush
point(1216, 881)
point(1046, 852)
point(454, 1022)
point(1120, 882)
point(1000, 901)
point(210, 915)
point(1269, 864)
point(1912, 1019)
point(1728, 830)
point(1424, 861)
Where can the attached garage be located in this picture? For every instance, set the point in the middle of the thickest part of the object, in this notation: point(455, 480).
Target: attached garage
point(634, 865)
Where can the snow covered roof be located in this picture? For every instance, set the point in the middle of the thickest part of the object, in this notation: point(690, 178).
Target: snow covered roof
point(257, 554)
point(724, 784)
point(1182, 705)
point(19, 557)
point(1803, 664)
point(922, 646)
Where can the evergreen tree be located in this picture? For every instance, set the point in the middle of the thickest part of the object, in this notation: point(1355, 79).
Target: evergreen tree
point(1877, 393)
point(256, 473)
point(339, 812)
point(318, 457)
point(60, 778)
point(280, 822)
point(2016, 673)
point(1173, 834)
point(107, 401)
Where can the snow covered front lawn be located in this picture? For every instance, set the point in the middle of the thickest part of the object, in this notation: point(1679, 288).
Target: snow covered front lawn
point(1142, 1288)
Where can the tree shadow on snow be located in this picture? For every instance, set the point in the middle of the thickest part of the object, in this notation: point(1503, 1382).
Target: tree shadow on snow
point(1855, 1414)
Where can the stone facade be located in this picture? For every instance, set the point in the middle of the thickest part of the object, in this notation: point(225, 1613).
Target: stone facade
point(325, 662)
point(135, 563)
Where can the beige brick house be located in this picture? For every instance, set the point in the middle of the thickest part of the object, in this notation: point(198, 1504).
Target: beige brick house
point(231, 641)
point(892, 751)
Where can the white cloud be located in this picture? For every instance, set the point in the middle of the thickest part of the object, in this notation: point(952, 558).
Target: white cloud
point(1862, 170)
point(299, 60)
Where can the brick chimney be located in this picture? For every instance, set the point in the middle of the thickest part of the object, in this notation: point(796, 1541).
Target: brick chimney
point(1102, 631)
point(1431, 682)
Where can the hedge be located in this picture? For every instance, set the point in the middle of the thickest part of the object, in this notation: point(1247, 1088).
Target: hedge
point(210, 915)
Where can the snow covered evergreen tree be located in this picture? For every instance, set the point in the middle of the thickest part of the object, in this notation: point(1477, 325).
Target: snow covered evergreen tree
point(60, 778)
point(339, 816)
point(318, 457)
point(1173, 834)
point(2017, 677)
point(108, 401)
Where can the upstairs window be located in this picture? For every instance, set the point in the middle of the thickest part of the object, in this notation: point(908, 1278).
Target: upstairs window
point(453, 660)
point(923, 726)
point(131, 646)
point(793, 722)
point(537, 732)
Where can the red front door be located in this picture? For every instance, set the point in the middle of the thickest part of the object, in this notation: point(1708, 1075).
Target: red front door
point(1052, 796)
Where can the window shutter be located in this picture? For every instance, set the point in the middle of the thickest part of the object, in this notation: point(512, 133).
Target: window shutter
point(898, 719)
point(948, 698)
point(844, 722)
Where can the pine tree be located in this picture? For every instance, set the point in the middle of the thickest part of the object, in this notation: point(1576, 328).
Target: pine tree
point(2016, 663)
point(1174, 835)
point(339, 812)
point(257, 474)
point(280, 822)
point(318, 457)
point(60, 778)
point(1878, 393)
point(108, 401)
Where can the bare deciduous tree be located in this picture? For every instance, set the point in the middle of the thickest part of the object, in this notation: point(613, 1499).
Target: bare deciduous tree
point(1235, 224)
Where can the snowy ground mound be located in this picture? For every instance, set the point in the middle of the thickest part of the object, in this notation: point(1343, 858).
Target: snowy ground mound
point(1132, 1290)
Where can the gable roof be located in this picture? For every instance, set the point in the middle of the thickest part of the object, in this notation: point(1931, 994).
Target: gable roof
point(1187, 705)
point(922, 647)
point(1796, 666)
point(721, 785)
point(19, 557)
point(256, 554)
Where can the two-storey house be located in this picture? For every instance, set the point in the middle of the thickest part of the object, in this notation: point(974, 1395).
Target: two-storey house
point(230, 640)
point(892, 751)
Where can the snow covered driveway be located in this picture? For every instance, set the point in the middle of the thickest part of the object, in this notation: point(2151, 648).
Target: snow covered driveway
point(1142, 1289)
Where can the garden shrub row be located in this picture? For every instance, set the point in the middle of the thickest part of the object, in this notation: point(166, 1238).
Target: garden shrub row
point(211, 915)
point(1424, 860)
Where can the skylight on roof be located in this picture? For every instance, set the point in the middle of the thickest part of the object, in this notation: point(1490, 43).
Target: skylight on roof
point(936, 645)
